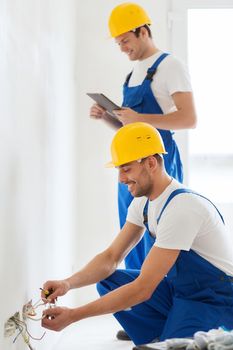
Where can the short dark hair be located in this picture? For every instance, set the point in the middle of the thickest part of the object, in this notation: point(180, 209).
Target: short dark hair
point(159, 158)
point(137, 30)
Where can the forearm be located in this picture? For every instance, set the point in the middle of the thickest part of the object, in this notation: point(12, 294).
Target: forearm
point(120, 299)
point(183, 117)
point(100, 267)
point(171, 121)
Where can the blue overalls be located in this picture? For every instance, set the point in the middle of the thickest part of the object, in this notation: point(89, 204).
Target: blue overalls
point(195, 295)
point(141, 99)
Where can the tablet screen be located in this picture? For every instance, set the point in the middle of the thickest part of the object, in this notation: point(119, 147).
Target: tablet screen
point(104, 102)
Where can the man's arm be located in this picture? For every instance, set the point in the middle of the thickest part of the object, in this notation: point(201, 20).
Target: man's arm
point(102, 265)
point(157, 264)
point(183, 118)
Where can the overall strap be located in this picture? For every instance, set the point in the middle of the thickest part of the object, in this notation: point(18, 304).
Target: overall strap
point(150, 71)
point(184, 190)
point(127, 78)
point(145, 215)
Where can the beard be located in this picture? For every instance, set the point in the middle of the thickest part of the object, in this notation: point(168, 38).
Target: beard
point(140, 191)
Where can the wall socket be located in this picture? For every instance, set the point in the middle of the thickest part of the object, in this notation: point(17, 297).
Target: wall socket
point(10, 325)
point(18, 322)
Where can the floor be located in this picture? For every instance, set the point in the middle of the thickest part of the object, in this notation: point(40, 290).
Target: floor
point(98, 333)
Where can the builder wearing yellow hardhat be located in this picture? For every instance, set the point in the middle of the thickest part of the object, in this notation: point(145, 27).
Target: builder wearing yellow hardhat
point(157, 91)
point(185, 283)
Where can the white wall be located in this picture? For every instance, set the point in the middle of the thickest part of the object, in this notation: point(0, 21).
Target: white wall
point(37, 100)
point(58, 202)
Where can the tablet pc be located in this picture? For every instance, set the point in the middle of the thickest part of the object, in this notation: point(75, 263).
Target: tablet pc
point(104, 102)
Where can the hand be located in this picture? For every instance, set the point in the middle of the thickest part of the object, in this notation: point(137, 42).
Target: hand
point(126, 115)
point(97, 112)
point(57, 318)
point(58, 288)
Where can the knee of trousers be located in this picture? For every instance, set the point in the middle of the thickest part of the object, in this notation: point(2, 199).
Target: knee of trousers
point(105, 286)
point(116, 280)
point(102, 288)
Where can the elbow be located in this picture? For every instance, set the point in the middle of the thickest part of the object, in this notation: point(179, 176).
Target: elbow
point(143, 290)
point(192, 125)
point(142, 297)
point(145, 294)
point(109, 263)
point(148, 294)
point(192, 122)
point(193, 118)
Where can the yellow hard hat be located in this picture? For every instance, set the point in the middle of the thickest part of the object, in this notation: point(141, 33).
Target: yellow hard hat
point(135, 141)
point(126, 17)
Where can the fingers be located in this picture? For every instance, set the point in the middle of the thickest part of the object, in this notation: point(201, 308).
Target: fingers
point(116, 112)
point(50, 292)
point(49, 317)
point(120, 112)
point(46, 293)
point(97, 111)
point(98, 107)
point(56, 318)
point(126, 115)
point(53, 289)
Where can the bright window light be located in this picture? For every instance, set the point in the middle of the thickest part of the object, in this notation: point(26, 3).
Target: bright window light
point(210, 54)
point(210, 59)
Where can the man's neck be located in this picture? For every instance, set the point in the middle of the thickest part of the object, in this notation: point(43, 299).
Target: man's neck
point(161, 186)
point(150, 52)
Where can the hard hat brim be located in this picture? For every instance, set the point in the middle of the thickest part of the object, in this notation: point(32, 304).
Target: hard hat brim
point(110, 165)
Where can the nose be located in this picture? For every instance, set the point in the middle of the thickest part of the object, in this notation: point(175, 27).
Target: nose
point(122, 176)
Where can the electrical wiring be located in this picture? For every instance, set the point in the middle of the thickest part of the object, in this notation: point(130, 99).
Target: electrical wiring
point(18, 322)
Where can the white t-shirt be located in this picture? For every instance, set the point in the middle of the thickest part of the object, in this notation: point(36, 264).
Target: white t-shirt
point(171, 76)
point(188, 222)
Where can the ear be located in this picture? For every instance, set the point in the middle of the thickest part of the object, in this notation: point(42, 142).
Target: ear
point(152, 163)
point(143, 32)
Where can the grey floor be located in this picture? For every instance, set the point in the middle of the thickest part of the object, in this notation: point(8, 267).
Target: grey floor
point(98, 333)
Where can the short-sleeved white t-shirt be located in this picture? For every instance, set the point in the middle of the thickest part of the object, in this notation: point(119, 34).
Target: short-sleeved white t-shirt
point(188, 222)
point(171, 76)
